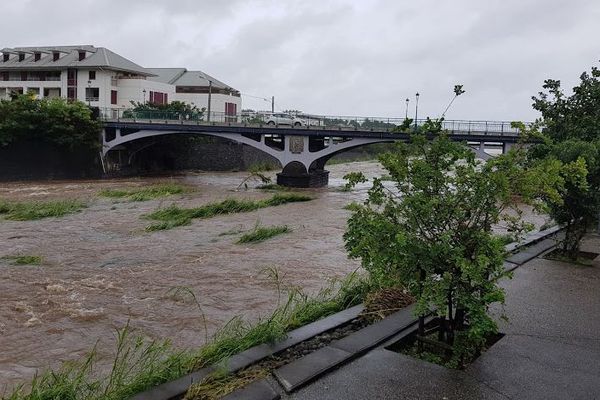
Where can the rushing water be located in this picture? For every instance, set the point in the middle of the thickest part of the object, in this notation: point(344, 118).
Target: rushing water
point(101, 269)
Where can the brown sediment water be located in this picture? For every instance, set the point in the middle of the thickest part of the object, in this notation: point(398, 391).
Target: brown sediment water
point(101, 269)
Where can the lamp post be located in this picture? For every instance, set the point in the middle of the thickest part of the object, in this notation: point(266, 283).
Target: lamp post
point(416, 109)
point(89, 94)
point(406, 114)
point(209, 99)
point(144, 91)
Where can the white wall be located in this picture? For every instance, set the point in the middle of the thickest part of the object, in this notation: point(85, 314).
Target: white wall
point(201, 100)
point(127, 90)
point(133, 90)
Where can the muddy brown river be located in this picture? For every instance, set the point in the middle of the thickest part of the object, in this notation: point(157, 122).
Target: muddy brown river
point(101, 269)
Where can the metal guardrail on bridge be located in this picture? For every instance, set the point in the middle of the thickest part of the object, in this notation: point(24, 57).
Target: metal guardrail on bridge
point(374, 124)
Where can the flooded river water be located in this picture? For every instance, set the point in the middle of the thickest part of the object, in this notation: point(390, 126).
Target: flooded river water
point(101, 269)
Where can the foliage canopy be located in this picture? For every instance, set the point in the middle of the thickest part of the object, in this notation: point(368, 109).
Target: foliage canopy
point(432, 231)
point(56, 121)
point(571, 134)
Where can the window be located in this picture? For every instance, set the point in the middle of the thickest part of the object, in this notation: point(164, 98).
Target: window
point(5, 57)
point(4, 76)
point(23, 75)
point(230, 109)
point(21, 56)
point(55, 56)
point(113, 97)
point(37, 56)
point(81, 55)
point(92, 75)
point(92, 94)
point(71, 93)
point(158, 98)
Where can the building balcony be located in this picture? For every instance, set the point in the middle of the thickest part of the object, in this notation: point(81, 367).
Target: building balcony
point(47, 79)
point(92, 99)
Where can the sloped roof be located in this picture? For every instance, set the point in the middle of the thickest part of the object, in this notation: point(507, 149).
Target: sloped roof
point(96, 57)
point(166, 75)
point(183, 77)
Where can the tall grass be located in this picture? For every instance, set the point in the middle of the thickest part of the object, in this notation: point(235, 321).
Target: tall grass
point(24, 260)
point(26, 211)
point(145, 193)
point(262, 233)
point(174, 216)
point(140, 363)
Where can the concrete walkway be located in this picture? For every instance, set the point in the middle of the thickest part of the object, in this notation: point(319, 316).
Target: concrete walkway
point(551, 349)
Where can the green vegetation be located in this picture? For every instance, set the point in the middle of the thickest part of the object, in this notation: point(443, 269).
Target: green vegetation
point(263, 166)
point(145, 193)
point(570, 135)
point(137, 365)
point(25, 211)
point(56, 121)
point(433, 233)
point(175, 110)
point(273, 187)
point(262, 233)
point(140, 363)
point(24, 260)
point(173, 216)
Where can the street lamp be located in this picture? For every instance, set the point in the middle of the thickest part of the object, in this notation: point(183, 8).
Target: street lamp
point(416, 109)
point(406, 114)
point(89, 94)
point(209, 98)
point(144, 91)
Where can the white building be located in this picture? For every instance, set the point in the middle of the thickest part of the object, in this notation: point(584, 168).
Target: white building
point(104, 79)
point(194, 87)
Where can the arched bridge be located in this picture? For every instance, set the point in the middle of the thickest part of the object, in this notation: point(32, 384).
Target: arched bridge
point(302, 150)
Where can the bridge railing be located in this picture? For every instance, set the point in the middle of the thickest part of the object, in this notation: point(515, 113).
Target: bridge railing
point(375, 124)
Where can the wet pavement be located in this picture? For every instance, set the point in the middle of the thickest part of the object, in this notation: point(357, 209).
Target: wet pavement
point(551, 349)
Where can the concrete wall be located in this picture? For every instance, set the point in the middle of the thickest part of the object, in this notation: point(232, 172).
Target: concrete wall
point(35, 160)
point(201, 100)
point(194, 152)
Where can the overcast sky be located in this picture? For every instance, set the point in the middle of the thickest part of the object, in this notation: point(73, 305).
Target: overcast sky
point(335, 57)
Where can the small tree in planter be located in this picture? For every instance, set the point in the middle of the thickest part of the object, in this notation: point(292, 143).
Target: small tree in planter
point(433, 232)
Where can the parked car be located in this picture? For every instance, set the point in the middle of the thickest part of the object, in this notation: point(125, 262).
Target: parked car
point(284, 119)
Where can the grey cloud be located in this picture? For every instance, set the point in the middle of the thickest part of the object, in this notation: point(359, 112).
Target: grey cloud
point(361, 57)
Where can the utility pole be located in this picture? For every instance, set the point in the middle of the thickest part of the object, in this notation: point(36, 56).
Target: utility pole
point(406, 114)
point(272, 104)
point(209, 99)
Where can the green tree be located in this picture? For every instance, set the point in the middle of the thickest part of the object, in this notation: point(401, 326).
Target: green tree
point(173, 110)
point(433, 231)
point(56, 121)
point(571, 134)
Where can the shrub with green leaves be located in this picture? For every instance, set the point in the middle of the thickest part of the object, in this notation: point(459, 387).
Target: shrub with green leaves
point(571, 134)
point(433, 233)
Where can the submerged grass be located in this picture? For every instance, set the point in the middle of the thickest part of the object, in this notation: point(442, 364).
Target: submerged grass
point(145, 193)
point(262, 233)
point(26, 211)
point(173, 216)
point(24, 260)
point(140, 363)
point(273, 187)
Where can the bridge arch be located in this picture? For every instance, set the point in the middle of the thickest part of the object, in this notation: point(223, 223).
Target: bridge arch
point(302, 152)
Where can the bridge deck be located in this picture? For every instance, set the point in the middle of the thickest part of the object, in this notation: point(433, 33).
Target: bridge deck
point(185, 126)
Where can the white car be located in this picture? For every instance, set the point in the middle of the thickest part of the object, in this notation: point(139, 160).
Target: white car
point(284, 119)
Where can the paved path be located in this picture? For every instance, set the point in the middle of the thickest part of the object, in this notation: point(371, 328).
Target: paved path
point(551, 349)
